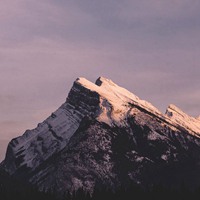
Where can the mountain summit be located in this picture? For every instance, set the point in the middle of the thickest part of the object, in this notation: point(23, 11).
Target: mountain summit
point(104, 136)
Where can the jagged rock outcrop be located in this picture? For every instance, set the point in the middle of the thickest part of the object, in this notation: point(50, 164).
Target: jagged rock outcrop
point(105, 136)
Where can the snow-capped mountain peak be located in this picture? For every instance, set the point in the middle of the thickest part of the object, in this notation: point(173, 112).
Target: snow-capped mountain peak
point(108, 89)
point(181, 118)
point(117, 98)
point(103, 134)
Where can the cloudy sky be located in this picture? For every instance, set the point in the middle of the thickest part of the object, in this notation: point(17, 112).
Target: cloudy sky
point(151, 47)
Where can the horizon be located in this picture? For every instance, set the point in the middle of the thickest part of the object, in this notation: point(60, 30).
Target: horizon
point(151, 48)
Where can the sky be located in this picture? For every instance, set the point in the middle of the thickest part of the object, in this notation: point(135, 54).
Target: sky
point(150, 47)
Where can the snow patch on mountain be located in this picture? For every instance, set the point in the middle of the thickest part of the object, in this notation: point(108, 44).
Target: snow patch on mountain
point(47, 138)
point(182, 119)
point(114, 100)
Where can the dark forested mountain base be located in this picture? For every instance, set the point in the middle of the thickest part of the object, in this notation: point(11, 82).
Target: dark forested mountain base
point(11, 189)
point(157, 193)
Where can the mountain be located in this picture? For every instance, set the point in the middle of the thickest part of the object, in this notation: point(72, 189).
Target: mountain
point(103, 136)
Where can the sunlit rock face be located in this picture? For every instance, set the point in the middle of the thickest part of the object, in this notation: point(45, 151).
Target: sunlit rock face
point(105, 136)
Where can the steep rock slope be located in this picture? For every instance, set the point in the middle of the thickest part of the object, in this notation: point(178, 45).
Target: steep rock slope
point(37, 145)
point(105, 136)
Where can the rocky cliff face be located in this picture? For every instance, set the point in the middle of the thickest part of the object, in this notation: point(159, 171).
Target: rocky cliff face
point(105, 136)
